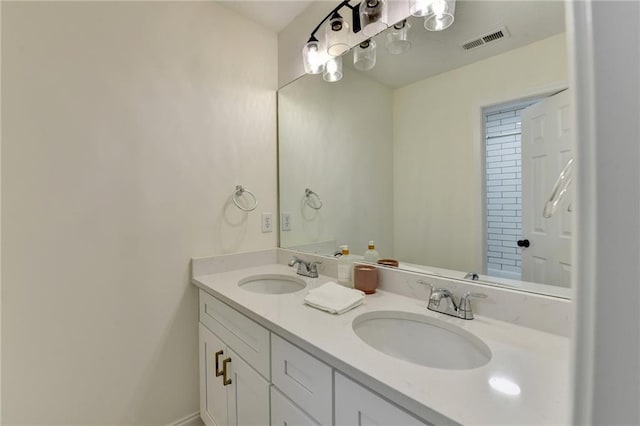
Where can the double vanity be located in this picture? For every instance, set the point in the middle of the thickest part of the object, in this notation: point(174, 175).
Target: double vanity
point(267, 358)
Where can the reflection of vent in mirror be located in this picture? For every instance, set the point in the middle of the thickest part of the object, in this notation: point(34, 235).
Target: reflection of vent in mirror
point(486, 38)
point(494, 36)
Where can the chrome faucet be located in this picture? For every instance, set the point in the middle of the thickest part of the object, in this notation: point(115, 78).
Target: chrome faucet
point(441, 300)
point(471, 276)
point(306, 269)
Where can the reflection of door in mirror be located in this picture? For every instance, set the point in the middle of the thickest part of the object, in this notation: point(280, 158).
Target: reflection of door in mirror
point(526, 143)
point(546, 149)
point(503, 177)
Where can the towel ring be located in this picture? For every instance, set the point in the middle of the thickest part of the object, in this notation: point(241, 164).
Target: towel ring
point(314, 205)
point(559, 191)
point(238, 193)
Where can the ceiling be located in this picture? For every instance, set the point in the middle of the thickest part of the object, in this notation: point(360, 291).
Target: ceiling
point(432, 53)
point(275, 15)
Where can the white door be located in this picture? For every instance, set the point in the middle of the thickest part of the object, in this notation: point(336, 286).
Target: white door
point(546, 149)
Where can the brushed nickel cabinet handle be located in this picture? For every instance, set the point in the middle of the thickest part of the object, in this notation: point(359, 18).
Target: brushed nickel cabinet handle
point(218, 371)
point(225, 380)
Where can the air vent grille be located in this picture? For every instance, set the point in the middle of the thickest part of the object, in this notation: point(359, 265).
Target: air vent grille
point(472, 44)
point(493, 36)
point(486, 38)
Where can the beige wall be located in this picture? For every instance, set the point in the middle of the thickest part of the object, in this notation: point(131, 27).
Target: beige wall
point(437, 161)
point(126, 127)
point(336, 138)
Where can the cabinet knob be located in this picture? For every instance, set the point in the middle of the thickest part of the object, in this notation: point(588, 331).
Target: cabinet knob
point(226, 381)
point(218, 371)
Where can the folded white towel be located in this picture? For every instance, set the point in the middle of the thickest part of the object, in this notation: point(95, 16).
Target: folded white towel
point(334, 298)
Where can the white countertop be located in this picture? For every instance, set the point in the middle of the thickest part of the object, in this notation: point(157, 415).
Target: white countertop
point(537, 362)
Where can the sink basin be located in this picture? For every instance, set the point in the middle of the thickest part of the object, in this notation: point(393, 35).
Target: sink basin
point(421, 340)
point(272, 284)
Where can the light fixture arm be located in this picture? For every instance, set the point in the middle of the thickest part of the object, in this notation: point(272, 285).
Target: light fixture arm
point(355, 13)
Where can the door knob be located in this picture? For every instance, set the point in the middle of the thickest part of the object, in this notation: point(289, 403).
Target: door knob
point(523, 243)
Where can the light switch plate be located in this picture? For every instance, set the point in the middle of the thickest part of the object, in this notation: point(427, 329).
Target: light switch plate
point(267, 222)
point(285, 221)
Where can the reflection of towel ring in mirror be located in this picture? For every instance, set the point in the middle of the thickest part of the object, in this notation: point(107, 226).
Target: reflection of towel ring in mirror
point(317, 205)
point(238, 193)
point(559, 190)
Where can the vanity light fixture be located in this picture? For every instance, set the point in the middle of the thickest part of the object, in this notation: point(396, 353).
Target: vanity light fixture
point(312, 57)
point(370, 17)
point(440, 15)
point(397, 38)
point(337, 36)
point(364, 55)
point(373, 17)
point(419, 7)
point(336, 41)
point(333, 70)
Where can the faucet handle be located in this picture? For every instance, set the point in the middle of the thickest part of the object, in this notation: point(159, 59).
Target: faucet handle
point(294, 260)
point(472, 276)
point(440, 293)
point(464, 309)
point(313, 266)
point(428, 284)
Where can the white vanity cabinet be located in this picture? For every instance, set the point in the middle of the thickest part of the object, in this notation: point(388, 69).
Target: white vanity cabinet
point(213, 395)
point(358, 406)
point(286, 413)
point(252, 377)
point(304, 379)
point(234, 383)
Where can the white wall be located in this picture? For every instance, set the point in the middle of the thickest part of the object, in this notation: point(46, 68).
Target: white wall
point(336, 138)
point(0, 216)
point(126, 127)
point(436, 127)
point(607, 337)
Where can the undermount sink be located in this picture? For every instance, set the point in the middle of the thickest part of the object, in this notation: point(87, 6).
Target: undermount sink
point(272, 284)
point(421, 340)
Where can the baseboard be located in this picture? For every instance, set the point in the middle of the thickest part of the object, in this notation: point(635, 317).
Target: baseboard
point(191, 420)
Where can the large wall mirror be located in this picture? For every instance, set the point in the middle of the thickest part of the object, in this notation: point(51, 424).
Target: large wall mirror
point(444, 155)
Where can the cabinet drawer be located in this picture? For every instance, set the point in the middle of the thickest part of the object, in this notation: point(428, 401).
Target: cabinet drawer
point(286, 413)
point(357, 405)
point(247, 338)
point(304, 379)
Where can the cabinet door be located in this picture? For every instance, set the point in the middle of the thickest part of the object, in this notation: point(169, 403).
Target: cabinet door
point(356, 405)
point(213, 395)
point(247, 394)
point(286, 413)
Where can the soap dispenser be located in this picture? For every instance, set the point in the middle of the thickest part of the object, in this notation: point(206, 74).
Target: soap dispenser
point(371, 255)
point(345, 267)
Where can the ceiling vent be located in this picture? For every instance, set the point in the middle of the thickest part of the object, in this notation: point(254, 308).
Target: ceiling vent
point(486, 38)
